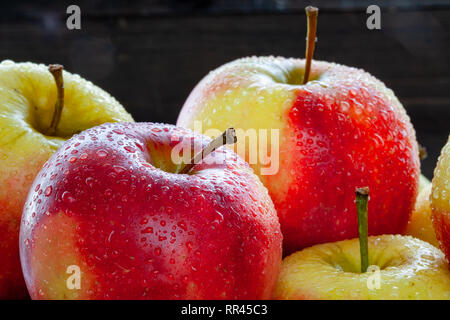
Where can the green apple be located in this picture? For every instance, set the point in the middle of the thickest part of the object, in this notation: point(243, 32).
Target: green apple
point(30, 103)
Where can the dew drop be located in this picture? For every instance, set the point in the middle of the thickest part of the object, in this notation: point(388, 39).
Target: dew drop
point(102, 153)
point(48, 191)
point(130, 149)
point(67, 197)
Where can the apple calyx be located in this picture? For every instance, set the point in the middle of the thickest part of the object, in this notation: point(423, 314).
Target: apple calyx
point(227, 137)
point(311, 14)
point(362, 200)
point(57, 72)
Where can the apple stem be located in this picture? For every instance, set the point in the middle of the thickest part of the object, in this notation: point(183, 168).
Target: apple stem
point(311, 14)
point(423, 154)
point(227, 137)
point(362, 199)
point(57, 71)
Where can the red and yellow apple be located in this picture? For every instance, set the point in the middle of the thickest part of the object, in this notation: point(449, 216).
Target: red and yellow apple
point(113, 203)
point(403, 268)
point(440, 200)
point(341, 130)
point(27, 99)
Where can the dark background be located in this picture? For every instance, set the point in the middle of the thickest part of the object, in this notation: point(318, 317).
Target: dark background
point(150, 54)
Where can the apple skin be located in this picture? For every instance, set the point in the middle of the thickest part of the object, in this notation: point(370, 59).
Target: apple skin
point(103, 203)
point(440, 200)
point(410, 269)
point(342, 130)
point(420, 224)
point(27, 99)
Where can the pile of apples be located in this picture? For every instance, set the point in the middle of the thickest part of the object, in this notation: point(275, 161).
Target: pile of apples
point(82, 185)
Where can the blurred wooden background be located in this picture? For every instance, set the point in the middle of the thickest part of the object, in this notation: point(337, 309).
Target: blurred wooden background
point(150, 54)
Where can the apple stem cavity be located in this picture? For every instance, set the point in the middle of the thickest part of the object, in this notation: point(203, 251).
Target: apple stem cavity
point(227, 137)
point(57, 71)
point(311, 14)
point(362, 200)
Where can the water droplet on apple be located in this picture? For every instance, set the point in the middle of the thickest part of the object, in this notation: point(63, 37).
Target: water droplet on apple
point(89, 181)
point(48, 191)
point(130, 149)
point(147, 230)
point(102, 153)
point(67, 197)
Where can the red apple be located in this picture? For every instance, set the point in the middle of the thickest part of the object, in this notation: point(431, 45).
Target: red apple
point(112, 202)
point(341, 130)
point(332, 128)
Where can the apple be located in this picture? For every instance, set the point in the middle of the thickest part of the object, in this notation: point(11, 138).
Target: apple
point(395, 267)
point(440, 200)
point(341, 129)
point(27, 139)
point(423, 183)
point(420, 224)
point(114, 204)
point(408, 268)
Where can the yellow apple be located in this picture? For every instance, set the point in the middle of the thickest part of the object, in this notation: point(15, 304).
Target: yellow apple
point(440, 200)
point(420, 224)
point(28, 96)
point(402, 268)
point(423, 182)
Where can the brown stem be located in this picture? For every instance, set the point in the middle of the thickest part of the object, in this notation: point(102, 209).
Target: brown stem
point(227, 137)
point(422, 152)
point(362, 200)
point(311, 14)
point(57, 71)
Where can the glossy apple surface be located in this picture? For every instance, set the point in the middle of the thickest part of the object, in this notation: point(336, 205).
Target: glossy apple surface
point(341, 130)
point(409, 269)
point(27, 100)
point(440, 200)
point(420, 224)
point(111, 202)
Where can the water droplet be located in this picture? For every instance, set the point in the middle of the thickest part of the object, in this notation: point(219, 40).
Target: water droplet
point(89, 181)
point(130, 149)
point(48, 191)
point(67, 197)
point(147, 230)
point(118, 169)
point(102, 153)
